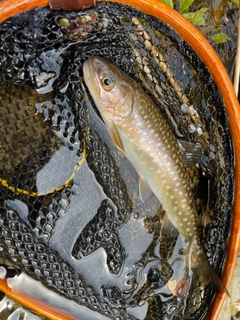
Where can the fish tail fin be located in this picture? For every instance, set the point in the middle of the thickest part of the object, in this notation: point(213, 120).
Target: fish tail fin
point(197, 262)
point(203, 275)
point(208, 275)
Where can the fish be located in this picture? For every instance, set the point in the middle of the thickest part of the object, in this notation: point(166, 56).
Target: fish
point(142, 133)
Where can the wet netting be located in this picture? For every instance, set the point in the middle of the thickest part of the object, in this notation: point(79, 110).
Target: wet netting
point(70, 212)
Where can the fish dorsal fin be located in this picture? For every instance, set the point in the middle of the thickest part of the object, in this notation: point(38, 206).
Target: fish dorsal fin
point(192, 152)
point(144, 189)
point(114, 134)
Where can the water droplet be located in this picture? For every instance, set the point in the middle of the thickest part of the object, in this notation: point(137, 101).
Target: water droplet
point(136, 215)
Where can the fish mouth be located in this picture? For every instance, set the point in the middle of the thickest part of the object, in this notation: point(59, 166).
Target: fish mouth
point(87, 74)
point(90, 77)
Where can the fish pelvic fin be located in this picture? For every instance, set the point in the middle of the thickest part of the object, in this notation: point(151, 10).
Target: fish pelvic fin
point(144, 190)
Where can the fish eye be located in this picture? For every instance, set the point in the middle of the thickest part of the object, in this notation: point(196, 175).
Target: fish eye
point(107, 83)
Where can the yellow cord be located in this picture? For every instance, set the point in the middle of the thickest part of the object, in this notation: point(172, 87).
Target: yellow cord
point(37, 194)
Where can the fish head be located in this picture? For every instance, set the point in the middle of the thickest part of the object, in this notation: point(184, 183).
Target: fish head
point(109, 88)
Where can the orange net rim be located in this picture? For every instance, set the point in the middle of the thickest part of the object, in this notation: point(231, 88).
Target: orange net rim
point(34, 304)
point(202, 47)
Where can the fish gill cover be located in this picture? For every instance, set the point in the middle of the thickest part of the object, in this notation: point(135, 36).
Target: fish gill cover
point(70, 214)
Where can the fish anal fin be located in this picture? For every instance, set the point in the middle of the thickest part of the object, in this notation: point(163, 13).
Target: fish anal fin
point(168, 238)
point(144, 189)
point(191, 151)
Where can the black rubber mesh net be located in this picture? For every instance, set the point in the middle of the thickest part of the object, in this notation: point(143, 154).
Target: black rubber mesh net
point(47, 140)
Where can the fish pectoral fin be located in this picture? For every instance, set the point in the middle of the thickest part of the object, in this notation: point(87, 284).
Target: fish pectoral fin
point(114, 135)
point(144, 189)
point(191, 151)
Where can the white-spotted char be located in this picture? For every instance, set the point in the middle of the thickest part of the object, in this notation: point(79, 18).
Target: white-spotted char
point(139, 129)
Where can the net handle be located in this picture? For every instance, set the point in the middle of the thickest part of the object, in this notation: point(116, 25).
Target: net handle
point(71, 4)
point(202, 47)
point(9, 8)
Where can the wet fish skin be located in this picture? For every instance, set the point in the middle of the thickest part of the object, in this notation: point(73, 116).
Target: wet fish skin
point(144, 136)
point(148, 143)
